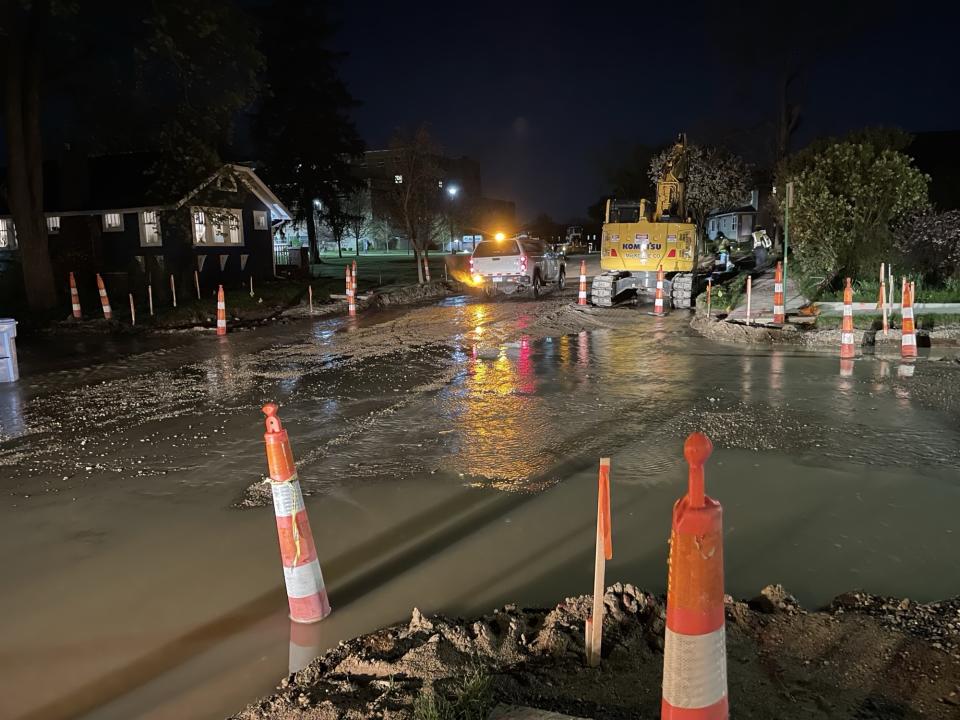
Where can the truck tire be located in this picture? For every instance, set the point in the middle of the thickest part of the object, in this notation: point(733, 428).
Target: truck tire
point(535, 286)
point(682, 290)
point(562, 280)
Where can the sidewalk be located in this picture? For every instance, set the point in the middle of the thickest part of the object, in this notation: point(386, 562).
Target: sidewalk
point(761, 305)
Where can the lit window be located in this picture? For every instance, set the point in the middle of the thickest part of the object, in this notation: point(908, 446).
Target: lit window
point(53, 224)
point(113, 222)
point(8, 234)
point(217, 226)
point(260, 220)
point(199, 226)
point(398, 179)
point(149, 228)
point(440, 184)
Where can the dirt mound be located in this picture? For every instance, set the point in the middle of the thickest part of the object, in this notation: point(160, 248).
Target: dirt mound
point(862, 657)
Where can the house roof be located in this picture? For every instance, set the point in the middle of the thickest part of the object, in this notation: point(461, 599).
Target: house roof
point(125, 182)
point(732, 210)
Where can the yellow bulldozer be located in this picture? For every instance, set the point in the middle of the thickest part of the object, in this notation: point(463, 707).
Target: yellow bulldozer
point(639, 239)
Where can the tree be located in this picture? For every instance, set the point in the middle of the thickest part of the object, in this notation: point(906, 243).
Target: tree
point(414, 197)
point(713, 178)
point(847, 197)
point(929, 243)
point(336, 217)
point(303, 126)
point(361, 215)
point(169, 81)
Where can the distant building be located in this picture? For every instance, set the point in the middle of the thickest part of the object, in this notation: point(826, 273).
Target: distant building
point(105, 216)
point(735, 224)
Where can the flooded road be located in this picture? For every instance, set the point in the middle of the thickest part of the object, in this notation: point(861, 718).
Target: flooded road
point(449, 454)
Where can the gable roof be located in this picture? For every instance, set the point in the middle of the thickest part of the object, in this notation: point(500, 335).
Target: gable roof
point(251, 181)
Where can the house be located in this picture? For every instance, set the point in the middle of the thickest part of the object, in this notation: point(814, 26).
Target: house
point(736, 224)
point(104, 215)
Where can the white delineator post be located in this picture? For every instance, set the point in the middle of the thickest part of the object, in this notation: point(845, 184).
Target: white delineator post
point(749, 292)
point(173, 290)
point(604, 552)
point(196, 282)
point(150, 298)
point(133, 311)
point(306, 593)
point(251, 286)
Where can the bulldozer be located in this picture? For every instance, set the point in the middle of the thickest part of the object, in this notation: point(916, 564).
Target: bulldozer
point(639, 239)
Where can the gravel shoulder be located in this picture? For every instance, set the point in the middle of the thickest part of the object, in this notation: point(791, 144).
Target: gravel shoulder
point(862, 657)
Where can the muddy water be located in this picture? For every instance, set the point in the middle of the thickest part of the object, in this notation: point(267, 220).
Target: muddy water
point(449, 453)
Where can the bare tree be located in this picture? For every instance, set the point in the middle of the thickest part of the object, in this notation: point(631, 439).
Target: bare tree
point(414, 196)
point(361, 215)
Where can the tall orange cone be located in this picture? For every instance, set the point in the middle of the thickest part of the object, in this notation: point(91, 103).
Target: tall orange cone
point(604, 552)
point(908, 335)
point(658, 298)
point(779, 315)
point(847, 350)
point(104, 300)
point(426, 267)
point(695, 658)
point(221, 312)
point(306, 592)
point(582, 294)
point(351, 298)
point(75, 299)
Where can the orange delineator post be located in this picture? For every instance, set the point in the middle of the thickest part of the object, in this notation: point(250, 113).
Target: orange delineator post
point(847, 350)
point(104, 300)
point(658, 298)
point(306, 592)
point(351, 299)
point(604, 552)
point(779, 313)
point(695, 658)
point(221, 312)
point(75, 299)
point(908, 335)
point(582, 294)
point(426, 267)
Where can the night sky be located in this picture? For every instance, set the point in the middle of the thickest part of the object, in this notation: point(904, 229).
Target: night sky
point(546, 97)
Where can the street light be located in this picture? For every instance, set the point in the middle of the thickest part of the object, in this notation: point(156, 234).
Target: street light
point(453, 190)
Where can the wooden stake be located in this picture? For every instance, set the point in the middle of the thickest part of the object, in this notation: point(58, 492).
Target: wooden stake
point(749, 286)
point(251, 286)
point(604, 552)
point(883, 299)
point(150, 298)
point(133, 311)
point(310, 296)
point(173, 290)
point(709, 292)
point(196, 281)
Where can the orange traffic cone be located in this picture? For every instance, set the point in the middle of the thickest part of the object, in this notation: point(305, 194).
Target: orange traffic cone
point(779, 316)
point(104, 300)
point(351, 298)
point(604, 552)
point(847, 350)
point(75, 298)
point(426, 267)
point(221, 312)
point(695, 658)
point(306, 592)
point(658, 299)
point(582, 295)
point(908, 335)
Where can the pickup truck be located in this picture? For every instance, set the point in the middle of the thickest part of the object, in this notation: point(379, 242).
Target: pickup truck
point(517, 264)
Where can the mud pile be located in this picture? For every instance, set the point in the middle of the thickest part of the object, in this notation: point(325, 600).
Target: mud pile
point(862, 657)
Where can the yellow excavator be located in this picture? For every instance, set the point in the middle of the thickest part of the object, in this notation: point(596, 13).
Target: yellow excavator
point(638, 239)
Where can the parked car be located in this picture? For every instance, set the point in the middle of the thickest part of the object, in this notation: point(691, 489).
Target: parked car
point(515, 265)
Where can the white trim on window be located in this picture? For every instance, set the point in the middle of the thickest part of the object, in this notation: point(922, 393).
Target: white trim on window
point(149, 229)
point(53, 225)
point(8, 234)
point(260, 220)
point(208, 226)
point(113, 222)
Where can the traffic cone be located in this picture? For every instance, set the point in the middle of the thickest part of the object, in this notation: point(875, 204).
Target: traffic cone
point(694, 656)
point(908, 336)
point(104, 300)
point(351, 298)
point(301, 569)
point(779, 316)
point(75, 298)
point(658, 299)
point(426, 267)
point(582, 295)
point(353, 279)
point(221, 312)
point(847, 351)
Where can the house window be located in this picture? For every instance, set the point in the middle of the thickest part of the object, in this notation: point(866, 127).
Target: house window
point(260, 221)
point(149, 228)
point(8, 234)
point(217, 226)
point(733, 223)
point(440, 184)
point(398, 179)
point(113, 222)
point(53, 224)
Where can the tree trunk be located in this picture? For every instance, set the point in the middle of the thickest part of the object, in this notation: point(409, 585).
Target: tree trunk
point(312, 236)
point(25, 150)
point(339, 245)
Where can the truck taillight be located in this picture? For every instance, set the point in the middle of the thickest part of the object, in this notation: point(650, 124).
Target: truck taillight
point(523, 263)
point(471, 265)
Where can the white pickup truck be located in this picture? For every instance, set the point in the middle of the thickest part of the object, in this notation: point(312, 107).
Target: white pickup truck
point(516, 264)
